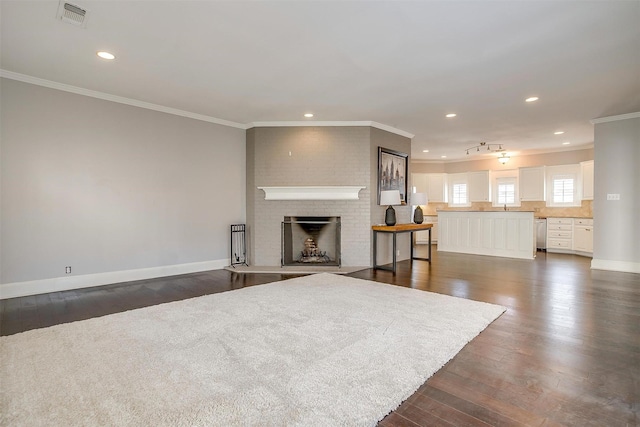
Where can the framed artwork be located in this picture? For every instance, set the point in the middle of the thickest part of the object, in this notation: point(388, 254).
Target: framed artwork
point(392, 172)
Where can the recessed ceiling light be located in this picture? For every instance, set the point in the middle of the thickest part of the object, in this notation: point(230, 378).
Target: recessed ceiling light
point(560, 132)
point(425, 151)
point(308, 115)
point(566, 143)
point(106, 55)
point(444, 157)
point(532, 99)
point(451, 115)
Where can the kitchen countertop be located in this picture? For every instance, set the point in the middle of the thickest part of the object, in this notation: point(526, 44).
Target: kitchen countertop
point(483, 211)
point(509, 210)
point(559, 216)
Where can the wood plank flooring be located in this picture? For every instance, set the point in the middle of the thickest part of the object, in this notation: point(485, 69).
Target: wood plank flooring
point(566, 352)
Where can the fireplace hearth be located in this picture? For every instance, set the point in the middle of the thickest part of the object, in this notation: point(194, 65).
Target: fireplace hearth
point(311, 240)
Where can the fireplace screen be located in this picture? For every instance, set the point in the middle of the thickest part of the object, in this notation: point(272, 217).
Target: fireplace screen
point(311, 240)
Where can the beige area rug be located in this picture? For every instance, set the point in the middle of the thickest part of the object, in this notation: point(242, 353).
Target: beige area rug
point(322, 350)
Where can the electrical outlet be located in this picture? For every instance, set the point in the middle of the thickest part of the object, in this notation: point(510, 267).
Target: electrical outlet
point(613, 196)
point(67, 270)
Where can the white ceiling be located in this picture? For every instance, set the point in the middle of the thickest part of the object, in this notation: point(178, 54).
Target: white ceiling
point(402, 64)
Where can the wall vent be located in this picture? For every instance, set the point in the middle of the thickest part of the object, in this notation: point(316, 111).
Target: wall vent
point(72, 14)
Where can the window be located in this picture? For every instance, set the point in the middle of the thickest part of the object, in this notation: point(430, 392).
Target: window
point(506, 193)
point(505, 189)
point(458, 189)
point(563, 190)
point(459, 194)
point(562, 185)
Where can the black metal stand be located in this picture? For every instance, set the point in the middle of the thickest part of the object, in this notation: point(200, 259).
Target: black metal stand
point(238, 245)
point(395, 231)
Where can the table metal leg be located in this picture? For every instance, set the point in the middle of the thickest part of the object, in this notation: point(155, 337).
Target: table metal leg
point(375, 253)
point(375, 249)
point(429, 249)
point(411, 250)
point(394, 252)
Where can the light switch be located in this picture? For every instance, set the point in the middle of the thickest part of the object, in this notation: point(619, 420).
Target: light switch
point(612, 196)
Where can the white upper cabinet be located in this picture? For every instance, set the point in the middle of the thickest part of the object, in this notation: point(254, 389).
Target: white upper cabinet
point(419, 181)
point(433, 184)
point(479, 186)
point(436, 187)
point(532, 184)
point(586, 172)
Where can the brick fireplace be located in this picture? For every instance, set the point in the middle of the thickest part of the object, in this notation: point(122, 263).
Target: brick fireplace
point(316, 156)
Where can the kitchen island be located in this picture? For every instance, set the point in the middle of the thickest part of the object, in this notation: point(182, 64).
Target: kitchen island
point(509, 234)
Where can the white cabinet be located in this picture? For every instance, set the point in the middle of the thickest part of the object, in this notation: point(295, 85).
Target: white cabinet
point(436, 187)
point(422, 237)
point(532, 182)
point(479, 185)
point(419, 181)
point(586, 172)
point(560, 235)
point(583, 235)
point(433, 184)
point(570, 235)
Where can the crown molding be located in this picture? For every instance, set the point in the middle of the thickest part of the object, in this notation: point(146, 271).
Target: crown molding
point(391, 129)
point(155, 107)
point(114, 98)
point(310, 123)
point(615, 118)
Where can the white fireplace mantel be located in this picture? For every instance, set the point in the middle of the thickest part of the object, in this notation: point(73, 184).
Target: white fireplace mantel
point(342, 192)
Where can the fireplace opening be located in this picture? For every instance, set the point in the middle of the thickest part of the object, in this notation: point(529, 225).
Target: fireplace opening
point(311, 240)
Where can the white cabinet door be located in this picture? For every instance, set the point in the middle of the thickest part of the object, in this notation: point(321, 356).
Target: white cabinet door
point(419, 181)
point(436, 187)
point(586, 169)
point(532, 181)
point(583, 239)
point(583, 235)
point(479, 185)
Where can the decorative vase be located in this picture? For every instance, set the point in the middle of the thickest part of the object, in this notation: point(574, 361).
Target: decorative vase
point(390, 216)
point(418, 216)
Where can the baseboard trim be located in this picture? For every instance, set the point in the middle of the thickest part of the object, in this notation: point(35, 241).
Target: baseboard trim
point(623, 266)
point(57, 284)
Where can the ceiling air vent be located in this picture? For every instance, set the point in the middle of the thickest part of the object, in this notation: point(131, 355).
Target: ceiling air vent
point(72, 14)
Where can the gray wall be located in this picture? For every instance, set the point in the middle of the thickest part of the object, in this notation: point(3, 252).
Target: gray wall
point(381, 138)
point(103, 187)
point(617, 160)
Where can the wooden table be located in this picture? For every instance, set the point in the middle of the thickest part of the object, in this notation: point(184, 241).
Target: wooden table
point(395, 229)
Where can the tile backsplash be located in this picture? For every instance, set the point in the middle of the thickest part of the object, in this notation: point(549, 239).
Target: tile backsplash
point(539, 208)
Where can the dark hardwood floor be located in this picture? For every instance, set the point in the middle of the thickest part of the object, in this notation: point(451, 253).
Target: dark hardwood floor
point(566, 352)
